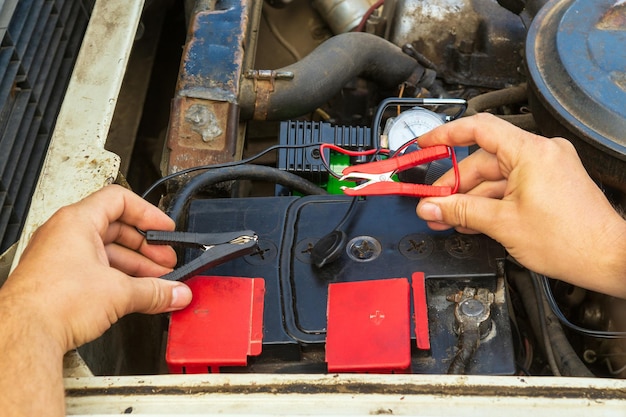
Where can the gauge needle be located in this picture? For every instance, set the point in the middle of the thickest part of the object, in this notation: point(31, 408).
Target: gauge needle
point(411, 130)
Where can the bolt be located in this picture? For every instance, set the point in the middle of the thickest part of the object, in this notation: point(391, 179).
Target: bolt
point(303, 250)
point(416, 246)
point(419, 247)
point(363, 248)
point(266, 252)
point(260, 253)
point(308, 249)
point(461, 246)
point(472, 308)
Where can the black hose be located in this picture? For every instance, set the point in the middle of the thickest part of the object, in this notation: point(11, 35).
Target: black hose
point(498, 98)
point(321, 74)
point(469, 339)
point(248, 172)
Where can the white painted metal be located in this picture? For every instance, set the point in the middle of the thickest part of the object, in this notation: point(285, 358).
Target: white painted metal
point(355, 395)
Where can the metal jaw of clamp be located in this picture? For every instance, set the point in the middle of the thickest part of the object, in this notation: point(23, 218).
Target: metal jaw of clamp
point(218, 248)
point(378, 175)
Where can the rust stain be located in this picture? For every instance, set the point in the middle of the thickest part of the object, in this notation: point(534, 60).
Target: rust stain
point(185, 140)
point(350, 387)
point(614, 18)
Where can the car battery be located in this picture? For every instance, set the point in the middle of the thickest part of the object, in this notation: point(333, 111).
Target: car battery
point(385, 240)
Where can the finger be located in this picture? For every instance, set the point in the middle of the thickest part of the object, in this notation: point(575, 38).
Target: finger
point(113, 203)
point(129, 237)
point(491, 133)
point(124, 235)
point(478, 167)
point(490, 189)
point(154, 295)
point(469, 212)
point(135, 264)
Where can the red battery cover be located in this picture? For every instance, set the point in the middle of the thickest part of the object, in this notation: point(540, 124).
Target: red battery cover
point(222, 326)
point(369, 326)
point(420, 306)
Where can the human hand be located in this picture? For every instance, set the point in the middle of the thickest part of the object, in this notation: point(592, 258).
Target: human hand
point(532, 195)
point(77, 274)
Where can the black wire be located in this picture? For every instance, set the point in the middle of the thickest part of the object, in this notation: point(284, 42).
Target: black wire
point(559, 314)
point(347, 215)
point(327, 165)
point(251, 171)
point(350, 211)
point(468, 342)
point(223, 165)
point(352, 206)
point(547, 345)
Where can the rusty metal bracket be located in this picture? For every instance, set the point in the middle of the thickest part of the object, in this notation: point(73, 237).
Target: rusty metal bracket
point(204, 121)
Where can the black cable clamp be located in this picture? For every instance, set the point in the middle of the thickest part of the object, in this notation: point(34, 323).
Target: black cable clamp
point(218, 248)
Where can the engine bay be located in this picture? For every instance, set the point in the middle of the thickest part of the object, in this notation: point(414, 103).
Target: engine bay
point(248, 127)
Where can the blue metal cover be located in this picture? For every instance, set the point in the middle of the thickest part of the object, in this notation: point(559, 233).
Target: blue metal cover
point(576, 58)
point(591, 42)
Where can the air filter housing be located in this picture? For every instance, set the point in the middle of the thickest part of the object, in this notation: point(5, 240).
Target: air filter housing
point(576, 59)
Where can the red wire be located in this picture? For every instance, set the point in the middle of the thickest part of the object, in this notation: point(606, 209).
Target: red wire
point(367, 15)
point(339, 149)
point(404, 146)
point(455, 166)
point(351, 153)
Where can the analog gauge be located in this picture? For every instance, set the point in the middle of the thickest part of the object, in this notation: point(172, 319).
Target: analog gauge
point(411, 124)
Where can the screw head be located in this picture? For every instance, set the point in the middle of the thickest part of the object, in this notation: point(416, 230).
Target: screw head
point(363, 249)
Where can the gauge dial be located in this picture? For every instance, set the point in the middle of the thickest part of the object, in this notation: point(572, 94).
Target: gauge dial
point(411, 124)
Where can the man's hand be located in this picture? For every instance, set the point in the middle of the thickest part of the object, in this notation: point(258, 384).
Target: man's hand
point(533, 195)
point(77, 274)
point(83, 269)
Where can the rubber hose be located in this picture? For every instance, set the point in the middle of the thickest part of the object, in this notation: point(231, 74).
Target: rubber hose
point(494, 99)
point(248, 172)
point(321, 74)
point(568, 361)
point(469, 340)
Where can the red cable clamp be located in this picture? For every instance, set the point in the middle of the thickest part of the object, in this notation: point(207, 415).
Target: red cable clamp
point(379, 175)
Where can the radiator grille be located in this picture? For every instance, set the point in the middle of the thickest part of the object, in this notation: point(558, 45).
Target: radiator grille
point(40, 42)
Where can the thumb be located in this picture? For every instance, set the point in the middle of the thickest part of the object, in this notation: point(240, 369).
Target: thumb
point(155, 295)
point(466, 213)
